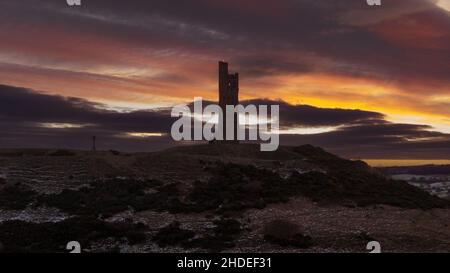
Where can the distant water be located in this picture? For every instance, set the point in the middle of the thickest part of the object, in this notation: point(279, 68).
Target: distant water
point(404, 162)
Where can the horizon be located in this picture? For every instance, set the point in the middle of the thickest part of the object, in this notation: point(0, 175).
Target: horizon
point(373, 162)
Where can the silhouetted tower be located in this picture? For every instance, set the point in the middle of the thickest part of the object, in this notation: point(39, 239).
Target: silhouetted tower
point(93, 144)
point(228, 93)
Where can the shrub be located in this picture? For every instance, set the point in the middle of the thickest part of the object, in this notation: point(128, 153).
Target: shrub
point(16, 197)
point(19, 236)
point(220, 237)
point(106, 197)
point(173, 235)
point(285, 233)
point(235, 187)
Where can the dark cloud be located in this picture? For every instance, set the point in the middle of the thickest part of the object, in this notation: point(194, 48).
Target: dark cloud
point(310, 116)
point(269, 65)
point(359, 133)
point(381, 140)
point(19, 105)
point(345, 32)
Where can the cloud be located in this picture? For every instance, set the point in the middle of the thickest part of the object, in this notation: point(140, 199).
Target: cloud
point(314, 52)
point(381, 140)
point(117, 33)
point(309, 116)
point(38, 120)
point(392, 60)
point(19, 105)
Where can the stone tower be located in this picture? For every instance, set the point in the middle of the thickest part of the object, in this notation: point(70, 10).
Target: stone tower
point(228, 93)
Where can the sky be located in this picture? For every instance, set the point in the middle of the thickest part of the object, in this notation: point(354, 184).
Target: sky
point(361, 81)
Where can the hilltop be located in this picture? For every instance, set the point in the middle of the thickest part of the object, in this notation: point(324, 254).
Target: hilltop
point(212, 197)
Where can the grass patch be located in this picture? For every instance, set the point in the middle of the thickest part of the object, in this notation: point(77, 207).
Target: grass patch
point(285, 233)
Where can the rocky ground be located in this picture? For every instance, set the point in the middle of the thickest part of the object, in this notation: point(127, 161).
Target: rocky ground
point(211, 198)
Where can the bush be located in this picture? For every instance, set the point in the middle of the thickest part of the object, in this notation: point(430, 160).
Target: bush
point(16, 197)
point(285, 233)
point(106, 197)
point(363, 189)
point(173, 235)
point(114, 152)
point(235, 187)
point(19, 236)
point(220, 237)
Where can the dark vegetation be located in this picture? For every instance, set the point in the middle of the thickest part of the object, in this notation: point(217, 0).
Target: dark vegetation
point(237, 187)
point(229, 187)
point(234, 187)
point(114, 152)
point(35, 152)
point(23, 152)
point(62, 153)
point(285, 233)
point(220, 237)
point(101, 198)
point(166, 198)
point(106, 198)
point(363, 189)
point(328, 161)
point(15, 197)
point(19, 236)
point(173, 235)
point(355, 182)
